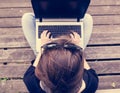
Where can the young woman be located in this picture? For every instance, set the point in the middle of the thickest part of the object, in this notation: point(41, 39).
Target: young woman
point(60, 67)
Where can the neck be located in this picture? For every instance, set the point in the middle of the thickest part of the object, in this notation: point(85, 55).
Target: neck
point(82, 87)
point(44, 87)
point(47, 90)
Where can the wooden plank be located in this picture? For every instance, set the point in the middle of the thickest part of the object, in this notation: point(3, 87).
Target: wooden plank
point(106, 10)
point(13, 70)
point(98, 20)
point(17, 86)
point(15, 4)
point(11, 41)
point(12, 37)
point(106, 67)
point(105, 2)
point(10, 22)
point(102, 34)
point(13, 12)
point(11, 31)
point(105, 34)
point(94, 10)
point(103, 52)
point(92, 53)
point(102, 67)
point(107, 19)
point(16, 55)
point(14, 1)
point(26, 3)
point(108, 91)
point(12, 86)
point(109, 82)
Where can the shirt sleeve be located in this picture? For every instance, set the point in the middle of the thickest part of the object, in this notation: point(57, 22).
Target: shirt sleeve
point(91, 80)
point(31, 81)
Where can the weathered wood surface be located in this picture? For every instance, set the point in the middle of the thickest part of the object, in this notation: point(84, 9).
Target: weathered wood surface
point(107, 81)
point(26, 3)
point(109, 91)
point(104, 34)
point(16, 55)
point(102, 52)
point(11, 86)
point(106, 10)
point(101, 67)
point(92, 53)
point(98, 20)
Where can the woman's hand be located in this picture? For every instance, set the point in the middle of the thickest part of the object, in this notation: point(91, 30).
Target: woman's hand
point(75, 37)
point(45, 38)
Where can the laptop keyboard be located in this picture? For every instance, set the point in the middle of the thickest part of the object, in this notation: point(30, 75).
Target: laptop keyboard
point(58, 30)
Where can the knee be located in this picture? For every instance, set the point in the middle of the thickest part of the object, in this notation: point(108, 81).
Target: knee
point(28, 16)
point(88, 18)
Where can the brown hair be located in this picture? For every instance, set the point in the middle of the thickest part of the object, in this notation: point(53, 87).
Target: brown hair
point(61, 69)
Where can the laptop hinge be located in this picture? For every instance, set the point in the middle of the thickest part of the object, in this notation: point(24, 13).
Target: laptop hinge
point(59, 20)
point(38, 19)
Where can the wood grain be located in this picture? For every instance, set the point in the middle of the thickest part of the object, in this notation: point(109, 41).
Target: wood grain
point(93, 10)
point(17, 86)
point(13, 12)
point(12, 86)
point(104, 10)
point(16, 55)
point(102, 52)
point(101, 67)
point(26, 3)
point(93, 53)
point(98, 20)
point(102, 34)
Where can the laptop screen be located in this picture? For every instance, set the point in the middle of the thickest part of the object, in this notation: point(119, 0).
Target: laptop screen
point(60, 8)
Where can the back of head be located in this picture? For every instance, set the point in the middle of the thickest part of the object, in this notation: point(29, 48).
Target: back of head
point(61, 68)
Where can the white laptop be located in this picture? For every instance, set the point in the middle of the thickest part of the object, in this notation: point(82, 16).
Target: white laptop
point(58, 28)
point(59, 17)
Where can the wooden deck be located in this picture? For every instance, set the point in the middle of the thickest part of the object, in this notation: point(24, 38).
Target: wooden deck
point(102, 53)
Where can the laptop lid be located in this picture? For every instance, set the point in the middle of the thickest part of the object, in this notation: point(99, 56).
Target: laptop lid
point(60, 8)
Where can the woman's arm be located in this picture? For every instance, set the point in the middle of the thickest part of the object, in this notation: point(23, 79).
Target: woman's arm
point(77, 41)
point(37, 59)
point(86, 65)
point(45, 38)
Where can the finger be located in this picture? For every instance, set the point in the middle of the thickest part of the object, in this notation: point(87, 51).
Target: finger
point(44, 33)
point(48, 34)
point(51, 37)
point(76, 35)
point(71, 35)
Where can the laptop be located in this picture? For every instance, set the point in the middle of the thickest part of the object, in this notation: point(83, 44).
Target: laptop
point(59, 17)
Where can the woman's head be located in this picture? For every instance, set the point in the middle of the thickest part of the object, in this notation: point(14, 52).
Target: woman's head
point(61, 66)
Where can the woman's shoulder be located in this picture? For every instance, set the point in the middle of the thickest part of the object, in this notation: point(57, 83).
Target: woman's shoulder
point(91, 80)
point(90, 75)
point(31, 81)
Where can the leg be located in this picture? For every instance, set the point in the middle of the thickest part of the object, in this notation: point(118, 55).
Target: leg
point(29, 28)
point(87, 27)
